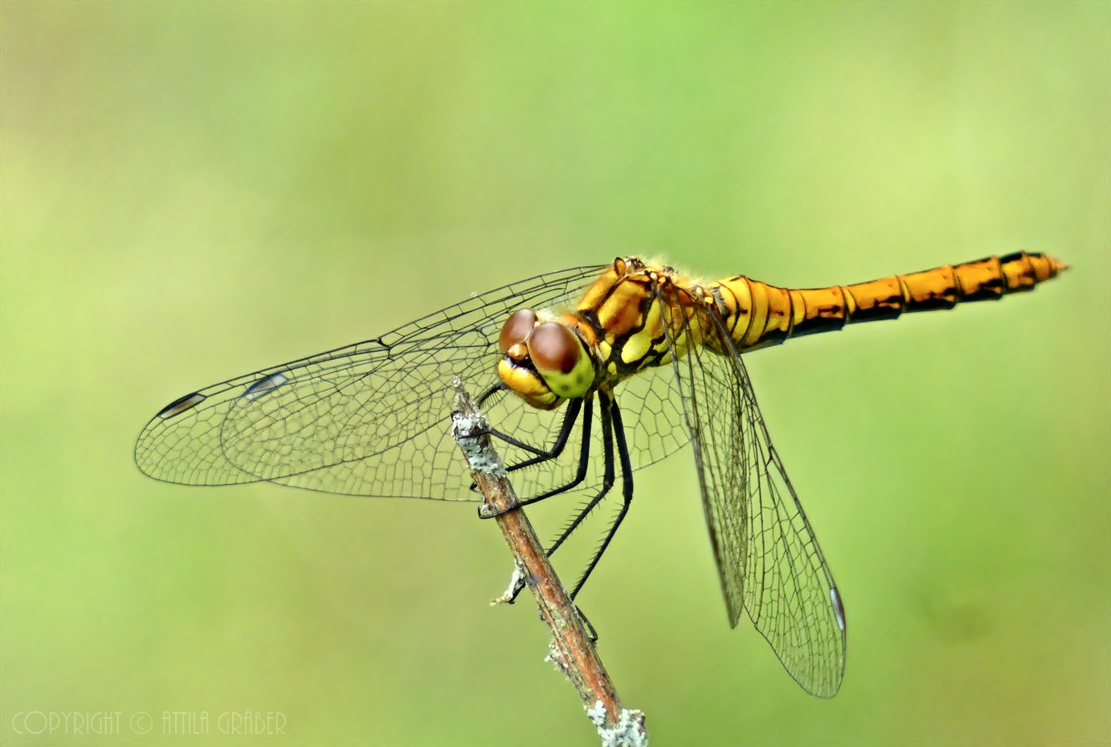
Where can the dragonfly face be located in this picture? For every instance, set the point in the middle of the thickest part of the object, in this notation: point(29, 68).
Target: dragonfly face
point(545, 363)
point(602, 370)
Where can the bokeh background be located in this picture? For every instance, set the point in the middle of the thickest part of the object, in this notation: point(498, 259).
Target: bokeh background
point(191, 191)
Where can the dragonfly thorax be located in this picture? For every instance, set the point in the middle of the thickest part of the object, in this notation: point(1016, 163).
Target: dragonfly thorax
point(543, 362)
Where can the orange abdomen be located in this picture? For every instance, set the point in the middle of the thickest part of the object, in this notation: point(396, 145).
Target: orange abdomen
point(759, 314)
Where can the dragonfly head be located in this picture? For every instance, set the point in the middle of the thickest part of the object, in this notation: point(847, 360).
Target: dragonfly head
point(544, 362)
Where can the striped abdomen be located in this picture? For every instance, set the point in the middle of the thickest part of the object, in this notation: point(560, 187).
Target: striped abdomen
point(759, 314)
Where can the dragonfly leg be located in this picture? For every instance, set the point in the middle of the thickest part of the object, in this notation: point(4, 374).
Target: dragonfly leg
point(543, 455)
point(626, 486)
point(499, 387)
point(489, 393)
point(584, 459)
point(591, 633)
point(607, 483)
point(556, 450)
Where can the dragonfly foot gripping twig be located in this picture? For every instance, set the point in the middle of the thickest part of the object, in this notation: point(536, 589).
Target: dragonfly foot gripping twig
point(572, 649)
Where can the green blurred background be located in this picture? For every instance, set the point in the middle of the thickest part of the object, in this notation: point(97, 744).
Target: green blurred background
point(193, 190)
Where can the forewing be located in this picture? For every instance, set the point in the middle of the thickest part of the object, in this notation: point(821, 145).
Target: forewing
point(768, 558)
point(367, 419)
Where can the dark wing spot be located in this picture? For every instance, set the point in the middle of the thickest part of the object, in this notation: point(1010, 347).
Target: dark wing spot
point(178, 406)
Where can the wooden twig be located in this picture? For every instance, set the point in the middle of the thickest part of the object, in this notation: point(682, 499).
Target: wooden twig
point(571, 650)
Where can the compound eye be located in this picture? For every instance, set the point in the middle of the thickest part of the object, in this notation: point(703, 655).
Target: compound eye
point(517, 329)
point(559, 356)
point(554, 348)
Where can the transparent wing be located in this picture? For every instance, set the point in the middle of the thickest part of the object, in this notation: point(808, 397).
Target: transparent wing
point(367, 419)
point(767, 555)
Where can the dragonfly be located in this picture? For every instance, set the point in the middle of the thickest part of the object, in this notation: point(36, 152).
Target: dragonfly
point(591, 374)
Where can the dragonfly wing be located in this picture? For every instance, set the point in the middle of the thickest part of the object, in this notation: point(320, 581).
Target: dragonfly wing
point(768, 558)
point(367, 419)
point(653, 415)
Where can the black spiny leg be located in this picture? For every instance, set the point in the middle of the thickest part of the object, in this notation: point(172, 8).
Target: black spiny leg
point(607, 482)
point(573, 410)
point(499, 387)
point(584, 457)
point(542, 455)
point(604, 407)
point(626, 484)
